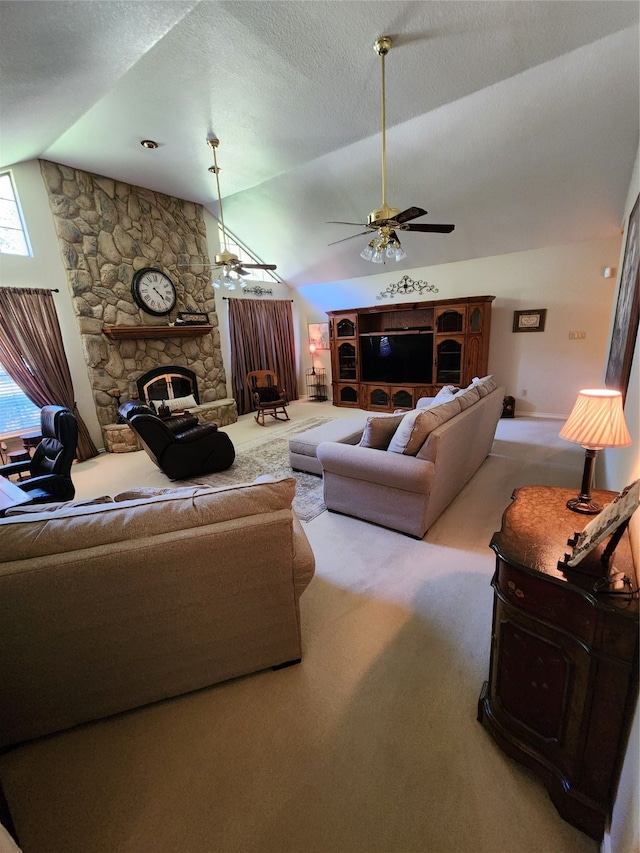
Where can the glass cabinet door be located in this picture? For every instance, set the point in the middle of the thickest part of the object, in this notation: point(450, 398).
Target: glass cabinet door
point(345, 328)
point(449, 361)
point(347, 361)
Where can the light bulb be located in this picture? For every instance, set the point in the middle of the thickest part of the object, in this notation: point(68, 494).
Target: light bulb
point(400, 253)
point(216, 283)
point(377, 257)
point(367, 252)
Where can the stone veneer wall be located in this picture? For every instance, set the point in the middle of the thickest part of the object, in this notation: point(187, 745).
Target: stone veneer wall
point(107, 230)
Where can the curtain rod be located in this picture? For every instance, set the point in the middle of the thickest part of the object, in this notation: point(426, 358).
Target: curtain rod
point(229, 298)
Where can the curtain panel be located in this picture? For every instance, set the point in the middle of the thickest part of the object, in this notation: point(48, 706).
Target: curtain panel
point(261, 337)
point(32, 353)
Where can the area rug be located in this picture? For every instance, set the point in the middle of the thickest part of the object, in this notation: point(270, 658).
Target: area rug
point(269, 454)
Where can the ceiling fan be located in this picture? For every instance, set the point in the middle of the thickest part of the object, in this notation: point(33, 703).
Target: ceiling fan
point(387, 221)
point(226, 261)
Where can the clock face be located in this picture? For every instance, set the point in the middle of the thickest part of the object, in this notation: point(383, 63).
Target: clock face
point(153, 291)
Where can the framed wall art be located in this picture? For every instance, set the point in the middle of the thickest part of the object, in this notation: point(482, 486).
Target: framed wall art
point(529, 321)
point(625, 323)
point(319, 335)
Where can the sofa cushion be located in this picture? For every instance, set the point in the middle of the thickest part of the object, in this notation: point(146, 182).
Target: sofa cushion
point(380, 429)
point(468, 397)
point(485, 385)
point(418, 424)
point(73, 528)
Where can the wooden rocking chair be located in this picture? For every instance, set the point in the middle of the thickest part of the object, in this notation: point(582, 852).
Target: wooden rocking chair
point(267, 397)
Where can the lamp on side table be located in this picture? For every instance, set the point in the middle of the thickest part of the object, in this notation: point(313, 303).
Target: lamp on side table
point(596, 421)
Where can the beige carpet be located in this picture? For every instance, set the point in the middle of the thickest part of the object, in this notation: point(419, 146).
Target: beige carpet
point(269, 454)
point(370, 745)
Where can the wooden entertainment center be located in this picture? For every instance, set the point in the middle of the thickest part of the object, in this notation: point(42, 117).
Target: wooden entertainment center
point(387, 357)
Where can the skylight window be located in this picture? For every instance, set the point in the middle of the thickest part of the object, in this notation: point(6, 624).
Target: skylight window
point(13, 234)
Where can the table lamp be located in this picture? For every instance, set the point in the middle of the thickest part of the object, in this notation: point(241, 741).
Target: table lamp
point(312, 350)
point(596, 421)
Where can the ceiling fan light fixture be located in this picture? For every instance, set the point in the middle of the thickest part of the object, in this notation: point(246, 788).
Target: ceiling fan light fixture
point(367, 252)
point(400, 253)
point(377, 257)
point(229, 282)
point(216, 283)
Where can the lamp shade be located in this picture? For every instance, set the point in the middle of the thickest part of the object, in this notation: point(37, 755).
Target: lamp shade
point(597, 420)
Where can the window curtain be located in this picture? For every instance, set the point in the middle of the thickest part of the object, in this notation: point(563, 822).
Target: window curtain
point(32, 353)
point(261, 338)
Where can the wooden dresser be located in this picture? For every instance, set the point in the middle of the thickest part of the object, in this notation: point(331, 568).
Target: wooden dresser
point(563, 679)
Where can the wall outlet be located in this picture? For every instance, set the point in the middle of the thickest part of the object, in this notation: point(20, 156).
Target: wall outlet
point(577, 336)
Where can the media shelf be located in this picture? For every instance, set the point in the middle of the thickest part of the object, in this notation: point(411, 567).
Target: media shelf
point(387, 357)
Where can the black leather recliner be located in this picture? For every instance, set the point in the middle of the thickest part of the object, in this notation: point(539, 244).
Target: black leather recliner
point(180, 446)
point(50, 466)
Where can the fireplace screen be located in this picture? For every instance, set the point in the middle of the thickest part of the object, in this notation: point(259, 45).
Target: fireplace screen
point(167, 383)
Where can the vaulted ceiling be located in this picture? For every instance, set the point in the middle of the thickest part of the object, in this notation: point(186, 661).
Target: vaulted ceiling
point(517, 121)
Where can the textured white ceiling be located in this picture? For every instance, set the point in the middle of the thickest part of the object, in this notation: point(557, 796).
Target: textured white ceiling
point(517, 121)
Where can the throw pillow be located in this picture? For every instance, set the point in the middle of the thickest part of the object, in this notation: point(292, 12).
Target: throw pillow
point(268, 395)
point(417, 425)
point(379, 430)
point(179, 403)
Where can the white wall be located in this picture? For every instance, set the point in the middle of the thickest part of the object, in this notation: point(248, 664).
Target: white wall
point(566, 280)
point(45, 269)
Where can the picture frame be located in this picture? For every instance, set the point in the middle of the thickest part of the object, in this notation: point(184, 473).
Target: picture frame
point(319, 335)
point(607, 522)
point(532, 320)
point(625, 323)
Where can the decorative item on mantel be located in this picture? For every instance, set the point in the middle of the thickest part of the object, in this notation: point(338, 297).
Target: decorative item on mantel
point(405, 286)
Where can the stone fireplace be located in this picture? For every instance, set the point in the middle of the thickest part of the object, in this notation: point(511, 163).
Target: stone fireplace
point(108, 230)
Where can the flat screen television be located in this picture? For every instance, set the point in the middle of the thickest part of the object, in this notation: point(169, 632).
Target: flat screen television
point(396, 358)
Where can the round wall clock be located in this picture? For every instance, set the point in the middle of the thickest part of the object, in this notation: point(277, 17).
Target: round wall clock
point(153, 291)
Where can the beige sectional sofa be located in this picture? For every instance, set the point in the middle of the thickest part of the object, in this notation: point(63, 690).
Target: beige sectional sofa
point(110, 606)
point(408, 467)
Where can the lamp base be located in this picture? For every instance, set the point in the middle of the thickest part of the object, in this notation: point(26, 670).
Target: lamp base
point(585, 505)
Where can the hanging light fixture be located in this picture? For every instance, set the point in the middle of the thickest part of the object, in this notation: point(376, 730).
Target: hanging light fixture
point(233, 271)
point(386, 221)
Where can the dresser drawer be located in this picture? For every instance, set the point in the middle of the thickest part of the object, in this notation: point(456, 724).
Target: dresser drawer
point(548, 601)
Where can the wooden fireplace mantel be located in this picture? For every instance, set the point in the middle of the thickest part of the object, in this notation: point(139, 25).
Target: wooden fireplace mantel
point(138, 332)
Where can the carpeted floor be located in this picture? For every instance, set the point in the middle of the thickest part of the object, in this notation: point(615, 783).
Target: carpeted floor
point(370, 745)
point(269, 454)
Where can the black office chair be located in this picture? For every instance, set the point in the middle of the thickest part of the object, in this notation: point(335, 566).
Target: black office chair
point(50, 467)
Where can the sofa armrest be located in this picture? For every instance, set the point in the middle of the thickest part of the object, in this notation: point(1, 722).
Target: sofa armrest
point(376, 466)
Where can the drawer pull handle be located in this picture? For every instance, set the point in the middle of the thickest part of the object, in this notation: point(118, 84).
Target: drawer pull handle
point(513, 589)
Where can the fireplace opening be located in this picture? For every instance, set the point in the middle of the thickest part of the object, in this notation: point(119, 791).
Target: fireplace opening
point(167, 383)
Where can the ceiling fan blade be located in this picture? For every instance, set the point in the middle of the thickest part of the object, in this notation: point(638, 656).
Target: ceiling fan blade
point(438, 229)
point(333, 222)
point(349, 238)
point(410, 213)
point(259, 266)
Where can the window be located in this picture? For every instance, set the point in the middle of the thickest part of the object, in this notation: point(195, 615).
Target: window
point(13, 234)
point(17, 412)
point(244, 255)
